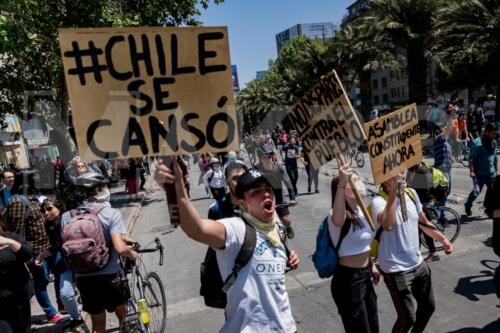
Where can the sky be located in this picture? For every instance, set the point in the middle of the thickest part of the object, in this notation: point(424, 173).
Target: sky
point(253, 24)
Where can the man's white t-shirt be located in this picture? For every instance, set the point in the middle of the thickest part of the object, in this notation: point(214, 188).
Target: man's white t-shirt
point(399, 249)
point(258, 300)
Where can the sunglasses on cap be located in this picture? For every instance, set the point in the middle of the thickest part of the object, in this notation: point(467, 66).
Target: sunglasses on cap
point(46, 209)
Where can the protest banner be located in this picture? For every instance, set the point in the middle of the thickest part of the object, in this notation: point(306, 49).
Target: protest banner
point(394, 143)
point(149, 91)
point(328, 126)
point(325, 121)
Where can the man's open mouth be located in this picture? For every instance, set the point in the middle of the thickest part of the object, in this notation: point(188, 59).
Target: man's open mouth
point(268, 206)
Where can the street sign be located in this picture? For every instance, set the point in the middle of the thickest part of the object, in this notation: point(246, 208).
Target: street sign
point(394, 143)
point(149, 91)
point(325, 121)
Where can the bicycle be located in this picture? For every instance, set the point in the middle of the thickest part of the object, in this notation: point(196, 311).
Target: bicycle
point(464, 153)
point(355, 155)
point(147, 305)
point(445, 219)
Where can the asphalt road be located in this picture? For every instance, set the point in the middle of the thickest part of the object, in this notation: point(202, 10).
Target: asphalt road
point(462, 282)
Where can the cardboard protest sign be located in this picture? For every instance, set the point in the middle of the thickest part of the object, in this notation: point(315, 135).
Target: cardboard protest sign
point(149, 91)
point(326, 122)
point(394, 143)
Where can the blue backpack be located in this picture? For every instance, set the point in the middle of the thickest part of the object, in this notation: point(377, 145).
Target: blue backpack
point(325, 257)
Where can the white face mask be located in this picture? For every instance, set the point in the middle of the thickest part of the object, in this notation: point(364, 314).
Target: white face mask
point(104, 196)
point(360, 186)
point(216, 167)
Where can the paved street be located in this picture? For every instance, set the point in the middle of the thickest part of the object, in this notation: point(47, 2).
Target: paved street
point(462, 282)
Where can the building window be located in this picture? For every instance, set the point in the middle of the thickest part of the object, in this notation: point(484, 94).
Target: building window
point(375, 84)
point(376, 100)
point(402, 91)
point(385, 99)
point(398, 92)
point(384, 82)
point(392, 75)
point(393, 92)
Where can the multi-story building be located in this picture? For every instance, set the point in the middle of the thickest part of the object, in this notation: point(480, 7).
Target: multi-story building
point(260, 74)
point(322, 30)
point(354, 10)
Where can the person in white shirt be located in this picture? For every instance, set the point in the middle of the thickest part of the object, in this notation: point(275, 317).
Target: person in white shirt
point(258, 300)
point(215, 180)
point(352, 287)
point(489, 107)
point(406, 274)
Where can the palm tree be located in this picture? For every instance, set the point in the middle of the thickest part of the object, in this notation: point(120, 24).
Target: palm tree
point(470, 30)
point(408, 25)
point(358, 50)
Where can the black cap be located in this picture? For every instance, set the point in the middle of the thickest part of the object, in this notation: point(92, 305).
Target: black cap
point(250, 179)
point(237, 164)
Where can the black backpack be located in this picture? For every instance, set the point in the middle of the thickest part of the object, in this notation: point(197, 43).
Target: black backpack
point(213, 288)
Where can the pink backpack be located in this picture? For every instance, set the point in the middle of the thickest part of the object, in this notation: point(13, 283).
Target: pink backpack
point(84, 246)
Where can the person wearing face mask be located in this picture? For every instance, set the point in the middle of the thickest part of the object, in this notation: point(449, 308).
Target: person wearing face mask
point(52, 212)
point(352, 286)
point(214, 179)
point(406, 274)
point(257, 301)
point(227, 206)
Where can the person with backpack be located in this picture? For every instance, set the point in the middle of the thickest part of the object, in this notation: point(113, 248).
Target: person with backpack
point(24, 217)
point(214, 179)
point(431, 185)
point(276, 174)
point(406, 275)
point(227, 206)
point(257, 300)
point(99, 275)
point(52, 212)
point(352, 286)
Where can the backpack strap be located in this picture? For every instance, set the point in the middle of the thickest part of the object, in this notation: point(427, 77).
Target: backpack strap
point(97, 210)
point(244, 256)
point(343, 232)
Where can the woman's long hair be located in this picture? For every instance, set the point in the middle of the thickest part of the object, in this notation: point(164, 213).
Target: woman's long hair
point(350, 213)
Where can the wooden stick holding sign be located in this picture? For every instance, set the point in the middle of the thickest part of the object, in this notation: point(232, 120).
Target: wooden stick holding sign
point(328, 126)
point(402, 201)
point(150, 91)
point(359, 198)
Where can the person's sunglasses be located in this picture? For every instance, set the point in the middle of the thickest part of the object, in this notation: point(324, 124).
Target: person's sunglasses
point(46, 209)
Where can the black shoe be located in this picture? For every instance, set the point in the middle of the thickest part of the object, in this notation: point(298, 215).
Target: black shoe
point(316, 191)
point(290, 234)
point(468, 210)
point(308, 190)
point(74, 324)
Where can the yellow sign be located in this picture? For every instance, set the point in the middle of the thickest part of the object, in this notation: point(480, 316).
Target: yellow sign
point(325, 121)
point(149, 91)
point(394, 143)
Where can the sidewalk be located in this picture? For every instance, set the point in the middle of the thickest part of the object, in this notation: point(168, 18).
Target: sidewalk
point(130, 210)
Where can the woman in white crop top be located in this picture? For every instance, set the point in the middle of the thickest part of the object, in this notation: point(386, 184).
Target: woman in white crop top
point(352, 283)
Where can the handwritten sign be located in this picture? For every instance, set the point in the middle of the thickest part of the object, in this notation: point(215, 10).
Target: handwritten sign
point(325, 121)
point(149, 91)
point(394, 143)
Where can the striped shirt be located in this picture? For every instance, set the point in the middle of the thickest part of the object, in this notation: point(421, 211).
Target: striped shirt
point(443, 157)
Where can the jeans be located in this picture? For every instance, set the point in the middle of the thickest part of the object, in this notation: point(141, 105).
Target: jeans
point(293, 173)
point(480, 181)
point(353, 293)
point(68, 294)
point(312, 175)
point(41, 280)
point(404, 287)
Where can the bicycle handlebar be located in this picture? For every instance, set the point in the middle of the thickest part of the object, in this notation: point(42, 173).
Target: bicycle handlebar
point(285, 205)
point(158, 247)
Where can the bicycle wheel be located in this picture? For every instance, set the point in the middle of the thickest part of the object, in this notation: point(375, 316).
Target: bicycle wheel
point(360, 159)
point(157, 303)
point(448, 222)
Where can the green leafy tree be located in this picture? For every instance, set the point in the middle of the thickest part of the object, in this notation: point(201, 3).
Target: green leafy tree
point(468, 32)
point(409, 25)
